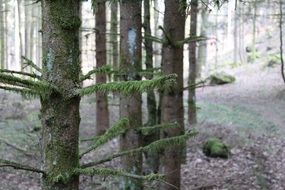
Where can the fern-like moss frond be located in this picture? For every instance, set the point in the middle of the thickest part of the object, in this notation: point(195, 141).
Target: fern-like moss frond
point(119, 128)
point(130, 87)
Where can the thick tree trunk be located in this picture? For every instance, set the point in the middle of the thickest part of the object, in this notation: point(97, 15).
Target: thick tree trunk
point(60, 112)
point(192, 116)
point(102, 111)
point(172, 100)
point(130, 30)
point(152, 159)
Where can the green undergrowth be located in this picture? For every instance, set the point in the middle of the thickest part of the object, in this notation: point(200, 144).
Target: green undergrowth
point(240, 117)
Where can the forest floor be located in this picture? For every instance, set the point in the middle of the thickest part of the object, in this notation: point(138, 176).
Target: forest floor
point(248, 115)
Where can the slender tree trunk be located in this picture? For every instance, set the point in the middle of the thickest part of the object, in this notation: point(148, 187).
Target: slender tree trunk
point(102, 111)
point(2, 36)
point(152, 159)
point(172, 100)
point(130, 30)
point(114, 35)
point(236, 35)
point(202, 50)
point(192, 116)
point(60, 112)
point(254, 31)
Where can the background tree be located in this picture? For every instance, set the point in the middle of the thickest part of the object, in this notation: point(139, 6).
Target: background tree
point(192, 116)
point(172, 100)
point(102, 111)
point(130, 64)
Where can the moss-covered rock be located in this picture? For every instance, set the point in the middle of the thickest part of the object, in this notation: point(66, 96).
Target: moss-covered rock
point(221, 78)
point(215, 148)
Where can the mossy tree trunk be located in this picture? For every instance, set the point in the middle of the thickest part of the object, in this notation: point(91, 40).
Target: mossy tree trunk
point(172, 100)
point(152, 159)
point(60, 112)
point(130, 106)
point(102, 111)
point(192, 116)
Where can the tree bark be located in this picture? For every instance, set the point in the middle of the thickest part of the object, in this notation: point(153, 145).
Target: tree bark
point(152, 159)
point(2, 36)
point(102, 111)
point(172, 100)
point(60, 112)
point(130, 107)
point(192, 116)
point(114, 35)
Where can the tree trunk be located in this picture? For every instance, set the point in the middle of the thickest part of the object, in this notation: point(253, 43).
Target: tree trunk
point(152, 159)
point(172, 100)
point(202, 50)
point(60, 112)
point(2, 36)
point(102, 111)
point(114, 35)
point(130, 30)
point(192, 116)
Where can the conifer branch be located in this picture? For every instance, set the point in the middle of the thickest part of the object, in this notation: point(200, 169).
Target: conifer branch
point(31, 64)
point(20, 73)
point(24, 151)
point(147, 130)
point(18, 166)
point(154, 39)
point(22, 91)
point(166, 35)
point(105, 172)
point(35, 86)
point(154, 146)
point(130, 87)
point(191, 39)
point(106, 69)
point(119, 128)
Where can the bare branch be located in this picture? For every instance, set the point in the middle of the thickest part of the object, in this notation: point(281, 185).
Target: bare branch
point(24, 151)
point(18, 166)
point(31, 63)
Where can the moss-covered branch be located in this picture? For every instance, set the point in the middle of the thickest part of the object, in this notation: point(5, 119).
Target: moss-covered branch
point(130, 87)
point(147, 130)
point(119, 128)
point(106, 69)
point(155, 39)
point(31, 64)
point(191, 39)
point(105, 172)
point(35, 86)
point(167, 36)
point(32, 75)
point(154, 146)
point(18, 166)
point(22, 91)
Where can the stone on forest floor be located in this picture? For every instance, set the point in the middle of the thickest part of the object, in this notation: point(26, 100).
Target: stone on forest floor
point(221, 78)
point(215, 148)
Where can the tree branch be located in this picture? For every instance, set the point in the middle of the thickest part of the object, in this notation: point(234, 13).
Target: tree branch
point(31, 64)
point(22, 91)
point(24, 151)
point(18, 166)
point(20, 73)
point(106, 69)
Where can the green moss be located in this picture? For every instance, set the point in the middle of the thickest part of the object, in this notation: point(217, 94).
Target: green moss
point(216, 148)
point(221, 78)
